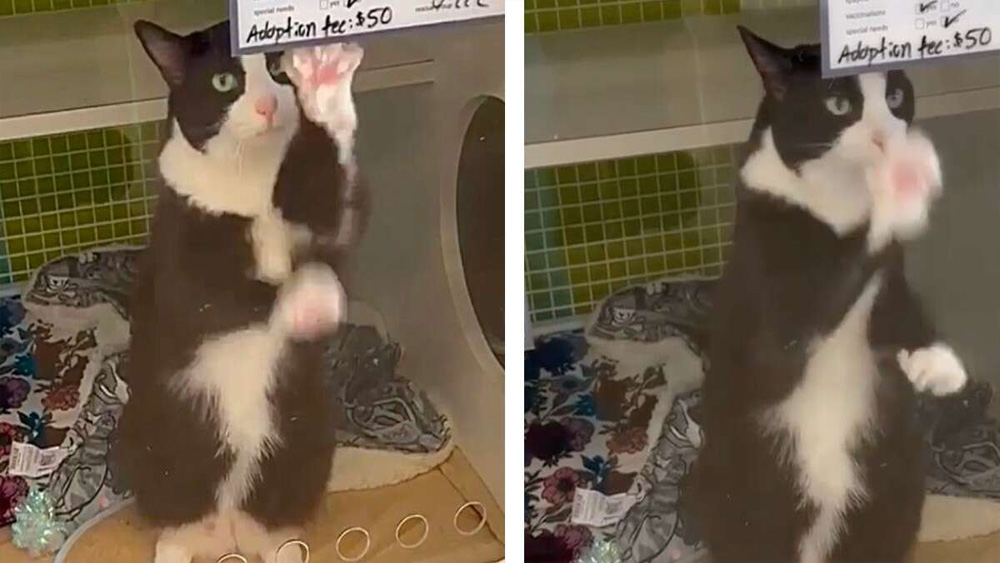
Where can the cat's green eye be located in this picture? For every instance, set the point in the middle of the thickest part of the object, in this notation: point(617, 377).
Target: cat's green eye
point(895, 99)
point(838, 105)
point(224, 81)
point(274, 67)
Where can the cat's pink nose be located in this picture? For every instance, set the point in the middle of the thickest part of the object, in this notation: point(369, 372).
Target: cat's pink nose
point(266, 106)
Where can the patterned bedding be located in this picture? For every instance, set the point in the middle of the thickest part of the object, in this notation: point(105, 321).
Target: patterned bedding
point(20, 402)
point(62, 346)
point(594, 419)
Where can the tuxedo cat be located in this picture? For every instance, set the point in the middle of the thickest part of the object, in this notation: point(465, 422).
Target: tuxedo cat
point(227, 439)
point(811, 450)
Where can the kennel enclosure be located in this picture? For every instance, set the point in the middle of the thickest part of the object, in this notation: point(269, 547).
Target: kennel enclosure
point(81, 110)
point(636, 113)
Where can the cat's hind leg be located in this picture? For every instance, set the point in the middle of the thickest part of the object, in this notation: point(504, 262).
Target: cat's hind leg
point(272, 546)
point(169, 551)
point(211, 537)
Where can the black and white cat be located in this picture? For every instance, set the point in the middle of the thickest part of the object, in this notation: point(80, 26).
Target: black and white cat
point(811, 447)
point(228, 436)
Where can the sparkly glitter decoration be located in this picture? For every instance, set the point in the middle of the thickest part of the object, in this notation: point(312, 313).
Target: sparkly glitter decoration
point(603, 551)
point(36, 529)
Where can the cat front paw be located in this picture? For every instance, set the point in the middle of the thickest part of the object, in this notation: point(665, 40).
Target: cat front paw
point(903, 187)
point(935, 369)
point(272, 248)
point(311, 304)
point(322, 76)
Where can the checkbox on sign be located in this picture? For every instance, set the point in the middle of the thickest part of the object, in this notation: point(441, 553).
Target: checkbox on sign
point(920, 24)
point(324, 4)
point(927, 6)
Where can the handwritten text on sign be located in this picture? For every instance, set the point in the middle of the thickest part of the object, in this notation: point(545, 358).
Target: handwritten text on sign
point(865, 34)
point(269, 24)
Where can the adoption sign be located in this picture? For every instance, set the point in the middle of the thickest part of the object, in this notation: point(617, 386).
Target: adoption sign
point(262, 25)
point(866, 35)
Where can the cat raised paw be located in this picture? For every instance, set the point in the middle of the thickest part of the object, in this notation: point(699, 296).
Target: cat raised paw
point(322, 76)
point(311, 304)
point(903, 186)
point(935, 369)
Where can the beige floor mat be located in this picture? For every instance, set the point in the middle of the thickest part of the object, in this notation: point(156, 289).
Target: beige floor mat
point(985, 549)
point(487, 549)
point(124, 538)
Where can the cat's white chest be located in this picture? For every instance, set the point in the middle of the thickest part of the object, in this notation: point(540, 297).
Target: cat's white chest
point(827, 416)
point(225, 177)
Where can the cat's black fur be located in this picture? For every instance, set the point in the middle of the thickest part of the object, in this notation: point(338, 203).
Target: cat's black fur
point(196, 282)
point(790, 281)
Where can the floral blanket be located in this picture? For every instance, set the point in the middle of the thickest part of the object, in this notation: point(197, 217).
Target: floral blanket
point(20, 400)
point(609, 411)
point(589, 424)
point(60, 384)
point(45, 392)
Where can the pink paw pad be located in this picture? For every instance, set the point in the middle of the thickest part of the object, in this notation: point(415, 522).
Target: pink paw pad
point(323, 78)
point(914, 170)
point(326, 65)
point(903, 185)
point(906, 182)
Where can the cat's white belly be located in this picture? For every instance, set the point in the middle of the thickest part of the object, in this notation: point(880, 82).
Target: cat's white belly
point(236, 372)
point(827, 416)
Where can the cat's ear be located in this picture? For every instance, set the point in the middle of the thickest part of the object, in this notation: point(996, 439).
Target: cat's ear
point(774, 63)
point(168, 50)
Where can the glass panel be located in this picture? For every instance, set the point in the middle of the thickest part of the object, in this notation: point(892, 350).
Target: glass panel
point(733, 361)
point(102, 334)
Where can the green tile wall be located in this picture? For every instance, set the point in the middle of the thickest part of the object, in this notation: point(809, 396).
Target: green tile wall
point(768, 4)
point(595, 227)
point(63, 193)
point(24, 7)
point(558, 15)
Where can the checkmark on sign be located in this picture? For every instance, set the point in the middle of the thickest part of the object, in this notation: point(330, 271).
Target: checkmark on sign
point(924, 6)
point(949, 21)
